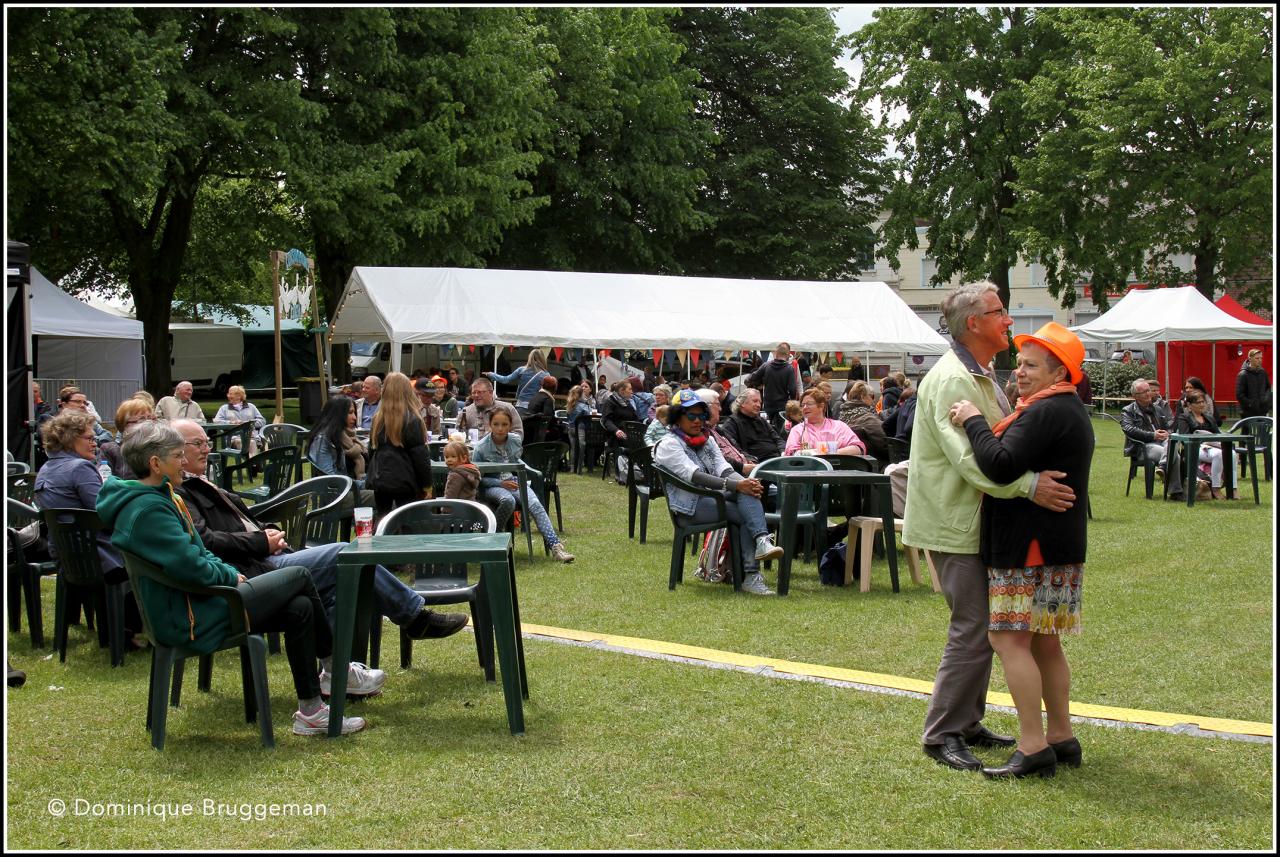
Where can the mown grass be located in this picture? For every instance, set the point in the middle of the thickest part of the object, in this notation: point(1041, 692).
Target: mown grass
point(631, 753)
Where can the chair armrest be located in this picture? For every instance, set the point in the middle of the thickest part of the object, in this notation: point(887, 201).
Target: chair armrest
point(686, 485)
point(137, 567)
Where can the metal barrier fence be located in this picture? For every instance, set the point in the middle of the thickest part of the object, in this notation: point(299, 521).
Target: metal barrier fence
point(105, 393)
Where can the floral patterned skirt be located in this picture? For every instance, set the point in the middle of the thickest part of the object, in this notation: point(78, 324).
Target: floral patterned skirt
point(1044, 599)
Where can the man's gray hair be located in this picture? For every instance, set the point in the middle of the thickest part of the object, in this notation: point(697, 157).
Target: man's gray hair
point(377, 382)
point(1133, 388)
point(483, 382)
point(963, 303)
point(154, 437)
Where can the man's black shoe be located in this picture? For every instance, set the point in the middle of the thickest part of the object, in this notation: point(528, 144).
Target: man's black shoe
point(17, 678)
point(429, 624)
point(984, 737)
point(954, 753)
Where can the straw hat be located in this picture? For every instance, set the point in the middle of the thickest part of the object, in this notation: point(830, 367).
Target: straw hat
point(1061, 343)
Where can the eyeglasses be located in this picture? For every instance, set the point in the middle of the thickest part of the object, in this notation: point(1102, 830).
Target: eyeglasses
point(1000, 312)
point(198, 444)
point(88, 437)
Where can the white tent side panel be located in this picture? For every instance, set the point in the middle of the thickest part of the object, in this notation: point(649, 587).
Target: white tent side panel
point(1169, 315)
point(639, 311)
point(56, 313)
point(76, 357)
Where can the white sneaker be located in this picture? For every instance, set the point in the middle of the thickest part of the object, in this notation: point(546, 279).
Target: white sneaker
point(766, 549)
point(754, 583)
point(318, 723)
point(361, 681)
point(559, 554)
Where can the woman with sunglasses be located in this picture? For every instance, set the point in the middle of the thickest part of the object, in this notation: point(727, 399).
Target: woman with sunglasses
point(1196, 417)
point(686, 452)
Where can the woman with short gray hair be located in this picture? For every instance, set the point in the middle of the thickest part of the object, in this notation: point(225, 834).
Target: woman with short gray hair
point(149, 520)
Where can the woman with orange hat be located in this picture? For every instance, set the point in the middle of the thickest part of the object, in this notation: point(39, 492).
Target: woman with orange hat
point(1035, 557)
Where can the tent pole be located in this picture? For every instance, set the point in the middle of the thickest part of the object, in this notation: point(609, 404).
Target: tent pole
point(1213, 372)
point(276, 256)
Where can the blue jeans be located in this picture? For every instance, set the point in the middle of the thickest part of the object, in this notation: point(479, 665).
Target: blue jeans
point(503, 503)
point(391, 596)
point(743, 510)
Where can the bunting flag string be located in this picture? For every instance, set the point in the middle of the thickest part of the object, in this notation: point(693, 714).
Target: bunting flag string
point(559, 353)
point(683, 356)
point(694, 354)
point(657, 358)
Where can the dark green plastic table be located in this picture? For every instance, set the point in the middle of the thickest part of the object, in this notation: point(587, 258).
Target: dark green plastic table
point(1191, 451)
point(492, 551)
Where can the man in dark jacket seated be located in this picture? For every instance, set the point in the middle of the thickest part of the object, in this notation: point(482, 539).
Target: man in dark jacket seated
point(1146, 431)
point(229, 532)
point(751, 432)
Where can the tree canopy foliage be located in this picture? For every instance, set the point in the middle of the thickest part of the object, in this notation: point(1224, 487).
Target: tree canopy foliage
point(1158, 141)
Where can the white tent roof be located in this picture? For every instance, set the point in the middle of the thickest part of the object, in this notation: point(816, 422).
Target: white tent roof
point(1168, 315)
point(56, 313)
point(641, 311)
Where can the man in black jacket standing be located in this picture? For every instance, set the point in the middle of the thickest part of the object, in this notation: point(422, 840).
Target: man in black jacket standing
point(780, 383)
point(1253, 387)
point(751, 432)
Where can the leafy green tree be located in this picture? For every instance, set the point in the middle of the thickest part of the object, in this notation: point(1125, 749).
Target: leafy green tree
point(1159, 142)
point(119, 117)
point(794, 176)
point(619, 169)
point(956, 74)
point(420, 148)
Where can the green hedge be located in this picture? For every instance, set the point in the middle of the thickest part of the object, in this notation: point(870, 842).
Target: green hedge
point(1118, 378)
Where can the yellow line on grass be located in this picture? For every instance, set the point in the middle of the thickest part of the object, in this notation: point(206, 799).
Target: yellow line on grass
point(1080, 709)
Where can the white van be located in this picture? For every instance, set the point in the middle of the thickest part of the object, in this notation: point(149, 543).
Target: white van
point(210, 356)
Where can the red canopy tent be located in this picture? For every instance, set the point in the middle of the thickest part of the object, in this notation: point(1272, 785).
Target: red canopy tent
point(1215, 363)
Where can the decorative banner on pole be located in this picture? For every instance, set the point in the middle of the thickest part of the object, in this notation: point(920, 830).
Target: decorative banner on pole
point(682, 355)
point(657, 358)
point(695, 354)
point(559, 353)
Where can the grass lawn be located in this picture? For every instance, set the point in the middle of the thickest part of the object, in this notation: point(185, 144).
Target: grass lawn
point(624, 752)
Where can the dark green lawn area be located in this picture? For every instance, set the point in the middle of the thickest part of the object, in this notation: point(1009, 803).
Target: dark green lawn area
point(625, 752)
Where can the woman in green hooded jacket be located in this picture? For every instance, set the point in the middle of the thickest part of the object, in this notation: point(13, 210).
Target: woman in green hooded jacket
point(148, 519)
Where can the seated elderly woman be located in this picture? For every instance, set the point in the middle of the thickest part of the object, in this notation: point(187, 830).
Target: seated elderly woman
point(148, 520)
point(70, 479)
point(239, 409)
point(817, 433)
point(130, 413)
point(858, 412)
point(688, 452)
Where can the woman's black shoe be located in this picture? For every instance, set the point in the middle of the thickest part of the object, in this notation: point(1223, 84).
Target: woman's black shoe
point(1044, 763)
point(1068, 752)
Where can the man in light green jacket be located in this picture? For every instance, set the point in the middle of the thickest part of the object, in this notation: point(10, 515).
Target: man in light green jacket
point(944, 501)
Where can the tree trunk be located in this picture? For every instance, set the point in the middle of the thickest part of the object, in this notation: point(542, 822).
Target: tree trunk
point(333, 269)
point(1206, 263)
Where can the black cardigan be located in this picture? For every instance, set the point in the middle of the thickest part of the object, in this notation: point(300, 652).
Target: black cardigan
point(1052, 434)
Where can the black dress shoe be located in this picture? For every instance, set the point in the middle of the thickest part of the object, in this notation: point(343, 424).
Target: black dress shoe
point(429, 624)
point(1044, 763)
point(954, 753)
point(984, 737)
point(1068, 752)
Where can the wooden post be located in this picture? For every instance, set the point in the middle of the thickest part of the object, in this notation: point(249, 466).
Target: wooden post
point(315, 322)
point(276, 256)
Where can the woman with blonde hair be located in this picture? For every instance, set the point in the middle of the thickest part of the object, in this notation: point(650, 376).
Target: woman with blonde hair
point(129, 414)
point(400, 465)
point(528, 379)
point(239, 409)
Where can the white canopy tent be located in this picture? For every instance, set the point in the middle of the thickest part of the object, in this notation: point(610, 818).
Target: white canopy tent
point(1180, 314)
point(449, 306)
point(100, 351)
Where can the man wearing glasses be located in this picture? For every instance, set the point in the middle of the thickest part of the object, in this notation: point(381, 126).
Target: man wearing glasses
point(944, 495)
point(228, 531)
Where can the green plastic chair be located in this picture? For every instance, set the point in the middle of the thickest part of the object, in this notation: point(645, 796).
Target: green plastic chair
point(445, 584)
point(167, 661)
point(643, 484)
point(278, 467)
point(23, 575)
point(681, 532)
point(1260, 428)
point(544, 460)
point(811, 513)
point(73, 536)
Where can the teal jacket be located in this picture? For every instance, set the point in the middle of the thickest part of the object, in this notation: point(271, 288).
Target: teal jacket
point(148, 522)
point(944, 483)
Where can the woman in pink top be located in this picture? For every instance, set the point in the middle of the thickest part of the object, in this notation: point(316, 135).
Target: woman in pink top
point(817, 429)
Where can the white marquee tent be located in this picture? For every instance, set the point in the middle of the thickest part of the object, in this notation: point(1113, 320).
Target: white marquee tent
point(1168, 315)
point(448, 306)
point(100, 351)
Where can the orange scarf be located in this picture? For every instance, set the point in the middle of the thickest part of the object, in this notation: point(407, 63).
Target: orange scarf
point(1055, 389)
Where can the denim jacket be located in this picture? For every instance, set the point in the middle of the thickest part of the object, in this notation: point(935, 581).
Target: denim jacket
point(681, 459)
point(487, 450)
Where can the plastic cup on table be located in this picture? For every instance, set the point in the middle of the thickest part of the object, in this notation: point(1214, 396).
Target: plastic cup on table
point(364, 522)
point(474, 435)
